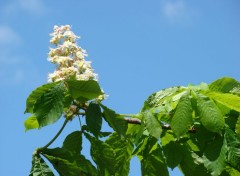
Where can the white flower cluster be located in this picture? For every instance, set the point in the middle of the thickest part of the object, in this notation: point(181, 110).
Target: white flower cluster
point(69, 57)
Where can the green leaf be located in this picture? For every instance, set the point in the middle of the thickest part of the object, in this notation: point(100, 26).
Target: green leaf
point(94, 118)
point(68, 163)
point(73, 142)
point(37, 94)
point(210, 115)
point(39, 167)
point(115, 121)
point(154, 164)
point(123, 149)
point(182, 118)
point(229, 100)
point(237, 128)
point(84, 90)
point(174, 153)
point(152, 124)
point(224, 85)
point(214, 156)
point(31, 123)
point(49, 107)
point(103, 155)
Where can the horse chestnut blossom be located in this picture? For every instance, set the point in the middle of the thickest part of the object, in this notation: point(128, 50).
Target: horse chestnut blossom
point(69, 57)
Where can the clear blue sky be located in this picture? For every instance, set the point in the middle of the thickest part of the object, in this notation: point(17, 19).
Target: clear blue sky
point(137, 47)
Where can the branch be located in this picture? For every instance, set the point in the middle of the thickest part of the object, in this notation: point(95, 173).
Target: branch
point(164, 126)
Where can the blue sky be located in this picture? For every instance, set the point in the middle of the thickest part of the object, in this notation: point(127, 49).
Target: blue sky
point(137, 47)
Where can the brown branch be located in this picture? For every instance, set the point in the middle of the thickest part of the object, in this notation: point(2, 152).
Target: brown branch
point(164, 126)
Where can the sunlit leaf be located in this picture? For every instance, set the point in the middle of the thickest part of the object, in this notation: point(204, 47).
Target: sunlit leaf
point(210, 115)
point(224, 85)
point(182, 118)
point(152, 124)
point(31, 123)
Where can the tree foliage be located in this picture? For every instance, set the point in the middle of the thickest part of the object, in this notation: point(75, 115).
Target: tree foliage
point(194, 128)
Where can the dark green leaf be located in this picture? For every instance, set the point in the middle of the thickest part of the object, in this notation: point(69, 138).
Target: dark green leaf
point(237, 128)
point(84, 90)
point(152, 124)
point(174, 153)
point(224, 85)
point(182, 118)
point(115, 121)
point(49, 107)
point(37, 94)
point(210, 115)
point(73, 142)
point(94, 118)
point(154, 164)
point(123, 149)
point(31, 123)
point(68, 163)
point(103, 155)
point(39, 167)
point(214, 156)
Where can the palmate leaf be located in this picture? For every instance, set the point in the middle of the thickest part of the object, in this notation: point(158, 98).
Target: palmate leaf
point(123, 149)
point(229, 100)
point(68, 163)
point(103, 155)
point(182, 118)
point(36, 94)
point(49, 107)
point(94, 118)
point(84, 90)
point(224, 85)
point(115, 121)
point(214, 156)
point(152, 125)
point(39, 167)
point(210, 115)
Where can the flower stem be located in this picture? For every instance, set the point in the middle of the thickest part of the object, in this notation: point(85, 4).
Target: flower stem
point(55, 137)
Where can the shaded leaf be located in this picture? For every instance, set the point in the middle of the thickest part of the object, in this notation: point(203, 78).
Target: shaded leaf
point(40, 167)
point(210, 115)
point(115, 121)
point(94, 118)
point(36, 94)
point(229, 100)
point(152, 125)
point(49, 107)
point(237, 128)
point(84, 90)
point(31, 123)
point(182, 118)
point(214, 156)
point(73, 142)
point(225, 84)
point(68, 163)
point(103, 155)
point(123, 151)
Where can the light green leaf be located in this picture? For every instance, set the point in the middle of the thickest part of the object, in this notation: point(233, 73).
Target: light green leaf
point(210, 115)
point(69, 163)
point(115, 121)
point(94, 118)
point(182, 118)
point(84, 90)
point(31, 123)
point(225, 85)
point(123, 149)
point(154, 164)
point(229, 100)
point(103, 155)
point(73, 142)
point(49, 107)
point(152, 124)
point(214, 156)
point(39, 167)
point(37, 94)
